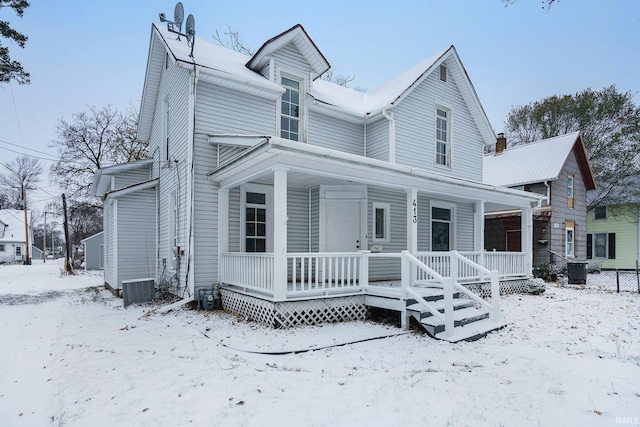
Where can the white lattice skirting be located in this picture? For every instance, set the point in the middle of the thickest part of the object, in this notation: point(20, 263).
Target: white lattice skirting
point(294, 313)
point(507, 287)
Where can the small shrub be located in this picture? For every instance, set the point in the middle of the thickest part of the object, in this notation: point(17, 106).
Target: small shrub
point(535, 287)
point(547, 272)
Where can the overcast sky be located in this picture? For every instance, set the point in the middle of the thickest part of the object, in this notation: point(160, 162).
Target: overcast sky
point(82, 53)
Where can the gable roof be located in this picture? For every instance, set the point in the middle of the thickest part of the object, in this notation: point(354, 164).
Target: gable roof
point(299, 37)
point(12, 225)
point(537, 162)
point(236, 70)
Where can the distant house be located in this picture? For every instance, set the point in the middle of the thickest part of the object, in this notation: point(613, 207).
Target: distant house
point(558, 169)
point(613, 231)
point(93, 247)
point(12, 235)
point(306, 201)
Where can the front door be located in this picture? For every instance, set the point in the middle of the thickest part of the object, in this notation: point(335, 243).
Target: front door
point(342, 219)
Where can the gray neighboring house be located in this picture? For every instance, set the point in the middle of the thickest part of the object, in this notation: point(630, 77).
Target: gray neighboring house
point(557, 168)
point(93, 251)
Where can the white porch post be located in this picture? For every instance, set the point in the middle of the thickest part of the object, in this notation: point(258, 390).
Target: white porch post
point(223, 228)
point(527, 238)
point(478, 240)
point(280, 234)
point(412, 220)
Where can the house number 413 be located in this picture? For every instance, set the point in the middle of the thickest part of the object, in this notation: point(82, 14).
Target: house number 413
point(415, 211)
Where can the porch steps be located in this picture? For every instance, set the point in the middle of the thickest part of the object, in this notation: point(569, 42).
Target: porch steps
point(470, 322)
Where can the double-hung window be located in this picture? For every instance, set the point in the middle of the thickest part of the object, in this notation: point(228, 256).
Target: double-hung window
point(290, 110)
point(443, 136)
point(570, 243)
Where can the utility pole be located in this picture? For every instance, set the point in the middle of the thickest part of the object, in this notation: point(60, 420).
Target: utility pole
point(27, 260)
point(44, 239)
point(66, 235)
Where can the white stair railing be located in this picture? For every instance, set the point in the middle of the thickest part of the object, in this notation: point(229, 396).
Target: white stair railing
point(448, 284)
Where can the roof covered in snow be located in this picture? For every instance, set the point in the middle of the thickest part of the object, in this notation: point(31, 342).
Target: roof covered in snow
point(225, 66)
point(12, 225)
point(536, 162)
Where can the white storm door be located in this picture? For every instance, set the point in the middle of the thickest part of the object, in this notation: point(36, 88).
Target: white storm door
point(343, 226)
point(343, 219)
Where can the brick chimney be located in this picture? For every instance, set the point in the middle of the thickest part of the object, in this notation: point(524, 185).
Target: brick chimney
point(501, 143)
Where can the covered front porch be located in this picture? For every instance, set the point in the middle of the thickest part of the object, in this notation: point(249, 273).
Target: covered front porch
point(302, 223)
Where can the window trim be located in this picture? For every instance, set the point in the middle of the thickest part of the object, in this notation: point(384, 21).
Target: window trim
point(449, 136)
point(572, 253)
point(452, 223)
point(302, 117)
point(386, 208)
point(268, 191)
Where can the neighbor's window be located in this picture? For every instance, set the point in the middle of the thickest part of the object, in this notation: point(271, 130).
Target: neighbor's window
point(441, 221)
point(18, 250)
point(255, 222)
point(443, 136)
point(443, 72)
point(603, 245)
point(290, 113)
point(570, 248)
point(381, 222)
point(1, 248)
point(570, 191)
point(600, 212)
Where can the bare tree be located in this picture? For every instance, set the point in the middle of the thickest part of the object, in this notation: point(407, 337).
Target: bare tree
point(22, 174)
point(546, 4)
point(231, 40)
point(12, 70)
point(92, 140)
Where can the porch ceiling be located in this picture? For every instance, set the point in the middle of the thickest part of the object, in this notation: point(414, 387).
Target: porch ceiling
point(310, 166)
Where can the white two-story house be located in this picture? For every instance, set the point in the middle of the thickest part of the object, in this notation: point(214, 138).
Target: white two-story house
point(303, 200)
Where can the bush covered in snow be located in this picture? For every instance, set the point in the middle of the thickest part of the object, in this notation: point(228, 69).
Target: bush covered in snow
point(535, 286)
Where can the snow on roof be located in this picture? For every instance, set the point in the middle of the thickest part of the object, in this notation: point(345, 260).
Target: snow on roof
point(232, 64)
point(13, 232)
point(215, 58)
point(529, 163)
point(367, 102)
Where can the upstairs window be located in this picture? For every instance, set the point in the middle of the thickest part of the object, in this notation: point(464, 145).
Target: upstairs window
point(600, 212)
point(290, 110)
point(570, 191)
point(443, 136)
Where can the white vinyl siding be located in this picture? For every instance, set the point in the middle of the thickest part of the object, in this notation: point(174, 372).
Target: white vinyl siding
point(136, 218)
point(336, 134)
point(109, 244)
point(377, 145)
point(388, 268)
point(415, 127)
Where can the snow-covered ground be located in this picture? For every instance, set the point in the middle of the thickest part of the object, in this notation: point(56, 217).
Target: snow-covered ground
point(71, 355)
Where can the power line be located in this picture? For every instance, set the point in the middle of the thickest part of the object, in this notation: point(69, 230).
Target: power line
point(26, 148)
point(51, 159)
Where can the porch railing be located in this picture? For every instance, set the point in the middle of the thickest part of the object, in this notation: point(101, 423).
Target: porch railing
point(250, 271)
point(326, 272)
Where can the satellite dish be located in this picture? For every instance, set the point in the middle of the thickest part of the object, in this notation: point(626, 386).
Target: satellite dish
point(190, 28)
point(178, 16)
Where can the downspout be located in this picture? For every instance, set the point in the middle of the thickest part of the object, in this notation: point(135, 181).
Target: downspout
point(189, 279)
point(546, 183)
point(392, 133)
